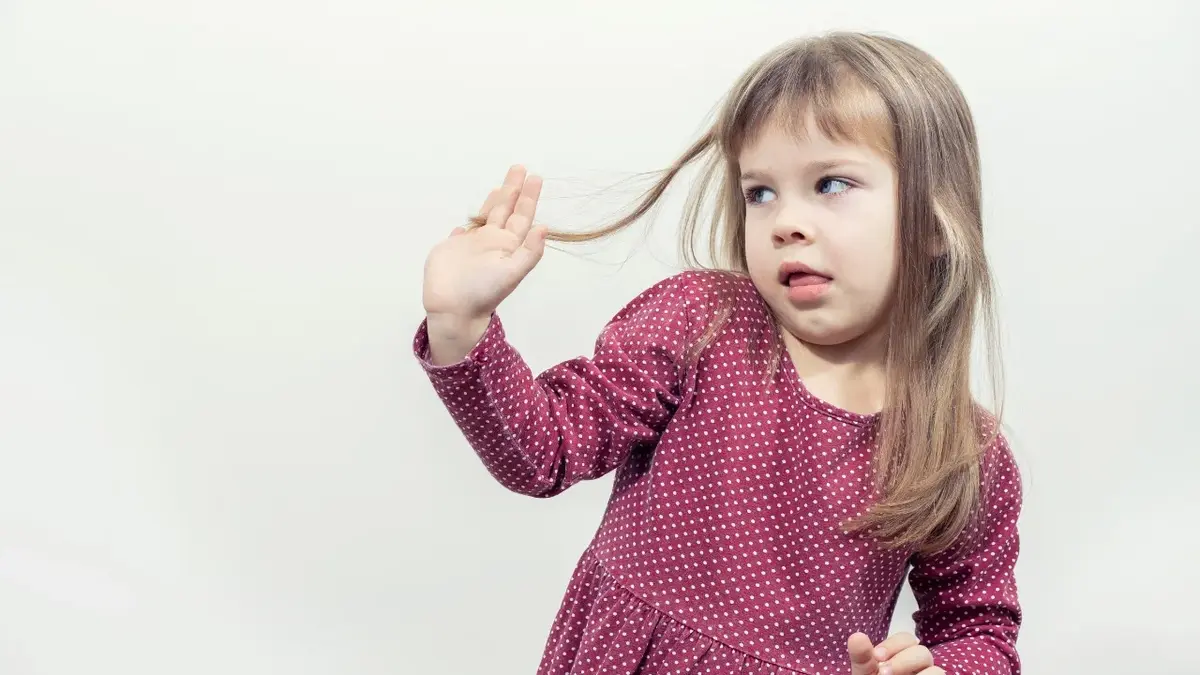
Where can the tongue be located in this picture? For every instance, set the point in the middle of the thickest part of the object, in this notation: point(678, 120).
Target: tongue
point(806, 280)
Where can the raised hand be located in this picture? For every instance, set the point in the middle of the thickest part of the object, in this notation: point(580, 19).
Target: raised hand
point(900, 654)
point(469, 274)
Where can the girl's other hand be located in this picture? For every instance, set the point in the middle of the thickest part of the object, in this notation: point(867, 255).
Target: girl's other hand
point(900, 654)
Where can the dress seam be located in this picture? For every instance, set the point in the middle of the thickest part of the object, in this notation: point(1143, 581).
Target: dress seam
point(689, 626)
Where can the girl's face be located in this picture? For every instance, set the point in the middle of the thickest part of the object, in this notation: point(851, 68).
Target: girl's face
point(821, 228)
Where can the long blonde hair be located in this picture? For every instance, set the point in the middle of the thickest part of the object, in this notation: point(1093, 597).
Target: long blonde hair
point(888, 94)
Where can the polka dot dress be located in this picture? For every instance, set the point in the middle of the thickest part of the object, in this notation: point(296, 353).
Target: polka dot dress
point(722, 549)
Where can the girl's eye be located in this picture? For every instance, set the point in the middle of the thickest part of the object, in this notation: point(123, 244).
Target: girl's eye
point(833, 186)
point(759, 195)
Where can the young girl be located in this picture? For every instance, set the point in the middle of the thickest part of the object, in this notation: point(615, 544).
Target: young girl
point(792, 433)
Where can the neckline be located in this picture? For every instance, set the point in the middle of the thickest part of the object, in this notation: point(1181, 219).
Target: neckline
point(796, 384)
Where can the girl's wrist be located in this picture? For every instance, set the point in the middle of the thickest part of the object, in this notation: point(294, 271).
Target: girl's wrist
point(452, 337)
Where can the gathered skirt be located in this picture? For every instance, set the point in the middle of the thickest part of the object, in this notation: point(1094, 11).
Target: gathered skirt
point(604, 629)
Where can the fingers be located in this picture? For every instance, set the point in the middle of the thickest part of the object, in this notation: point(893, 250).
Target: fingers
point(503, 208)
point(526, 206)
point(915, 660)
point(515, 178)
point(862, 658)
point(531, 250)
point(894, 645)
point(531, 191)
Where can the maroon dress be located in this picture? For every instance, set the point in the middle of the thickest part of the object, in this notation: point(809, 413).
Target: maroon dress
point(722, 549)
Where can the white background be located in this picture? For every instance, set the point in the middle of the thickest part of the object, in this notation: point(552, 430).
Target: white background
point(217, 454)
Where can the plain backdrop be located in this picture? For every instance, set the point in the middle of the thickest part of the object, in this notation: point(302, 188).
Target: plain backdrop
point(218, 454)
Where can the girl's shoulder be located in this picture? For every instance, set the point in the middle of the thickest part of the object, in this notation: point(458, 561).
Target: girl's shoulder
point(998, 464)
point(704, 295)
point(699, 315)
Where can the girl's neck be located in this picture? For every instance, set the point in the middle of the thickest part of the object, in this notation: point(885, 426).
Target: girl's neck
point(851, 376)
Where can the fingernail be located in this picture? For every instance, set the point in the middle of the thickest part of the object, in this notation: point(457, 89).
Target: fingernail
point(885, 669)
point(881, 653)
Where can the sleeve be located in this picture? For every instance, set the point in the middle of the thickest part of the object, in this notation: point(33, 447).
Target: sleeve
point(968, 613)
point(539, 435)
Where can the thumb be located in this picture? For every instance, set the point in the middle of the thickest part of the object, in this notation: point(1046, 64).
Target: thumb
point(862, 656)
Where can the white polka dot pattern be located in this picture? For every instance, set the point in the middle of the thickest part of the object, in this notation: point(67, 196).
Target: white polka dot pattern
point(722, 550)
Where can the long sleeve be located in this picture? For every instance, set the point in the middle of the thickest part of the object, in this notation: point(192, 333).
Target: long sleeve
point(968, 612)
point(539, 435)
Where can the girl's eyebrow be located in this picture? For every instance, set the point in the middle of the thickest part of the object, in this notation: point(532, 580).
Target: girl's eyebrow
point(754, 175)
point(816, 167)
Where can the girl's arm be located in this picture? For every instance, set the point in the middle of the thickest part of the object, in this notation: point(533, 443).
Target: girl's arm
point(968, 612)
point(538, 435)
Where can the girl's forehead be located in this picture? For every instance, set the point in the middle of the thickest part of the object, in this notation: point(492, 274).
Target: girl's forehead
point(777, 142)
point(854, 123)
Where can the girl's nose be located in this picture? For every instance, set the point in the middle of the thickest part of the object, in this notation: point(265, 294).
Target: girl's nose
point(791, 230)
